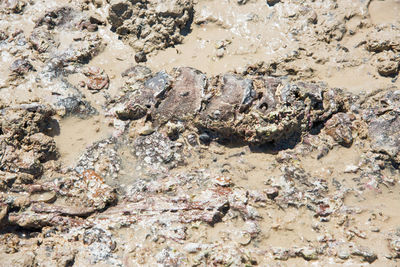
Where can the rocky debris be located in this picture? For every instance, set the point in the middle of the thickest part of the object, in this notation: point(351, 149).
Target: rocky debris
point(365, 254)
point(74, 105)
point(388, 63)
point(394, 244)
point(157, 152)
point(24, 139)
point(42, 40)
point(382, 115)
point(21, 66)
point(97, 78)
point(140, 57)
point(383, 39)
point(13, 6)
point(340, 128)
point(85, 194)
point(272, 2)
point(59, 17)
point(150, 25)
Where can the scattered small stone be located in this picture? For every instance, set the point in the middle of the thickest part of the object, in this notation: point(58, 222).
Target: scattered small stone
point(223, 181)
point(21, 66)
point(309, 254)
point(351, 169)
point(140, 57)
point(220, 52)
point(205, 138)
point(272, 192)
point(272, 2)
point(146, 130)
point(365, 254)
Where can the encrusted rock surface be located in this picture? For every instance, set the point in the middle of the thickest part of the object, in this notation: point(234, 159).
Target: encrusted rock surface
point(149, 25)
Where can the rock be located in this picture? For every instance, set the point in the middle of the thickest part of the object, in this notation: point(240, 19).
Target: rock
point(384, 123)
point(44, 147)
point(32, 220)
point(42, 41)
point(98, 79)
point(272, 192)
point(140, 57)
point(183, 100)
point(388, 68)
point(21, 66)
point(146, 130)
point(29, 163)
point(205, 138)
point(46, 197)
point(139, 72)
point(129, 111)
point(272, 2)
point(15, 6)
point(365, 254)
point(160, 24)
point(174, 129)
point(223, 181)
point(97, 192)
point(59, 17)
point(388, 63)
point(75, 105)
point(226, 107)
point(351, 169)
point(159, 84)
point(280, 254)
point(220, 52)
point(343, 254)
point(86, 24)
point(195, 247)
point(339, 127)
point(3, 213)
point(394, 245)
point(309, 254)
point(96, 19)
point(383, 40)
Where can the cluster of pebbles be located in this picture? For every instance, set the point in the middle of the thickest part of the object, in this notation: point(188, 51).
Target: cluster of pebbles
point(264, 164)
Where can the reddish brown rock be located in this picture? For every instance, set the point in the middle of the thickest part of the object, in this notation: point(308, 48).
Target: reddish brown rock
point(97, 79)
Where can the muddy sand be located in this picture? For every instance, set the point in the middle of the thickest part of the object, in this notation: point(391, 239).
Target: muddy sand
point(199, 133)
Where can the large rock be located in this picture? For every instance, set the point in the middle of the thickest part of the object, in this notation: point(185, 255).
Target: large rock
point(250, 109)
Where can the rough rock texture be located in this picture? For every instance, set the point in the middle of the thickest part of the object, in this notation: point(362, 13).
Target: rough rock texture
point(383, 116)
point(150, 25)
point(255, 109)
